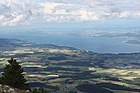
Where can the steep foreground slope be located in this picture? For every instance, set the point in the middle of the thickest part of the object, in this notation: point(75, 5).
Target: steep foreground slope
point(7, 89)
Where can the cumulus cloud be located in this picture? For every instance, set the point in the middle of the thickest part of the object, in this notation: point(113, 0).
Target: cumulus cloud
point(15, 12)
point(90, 10)
point(67, 12)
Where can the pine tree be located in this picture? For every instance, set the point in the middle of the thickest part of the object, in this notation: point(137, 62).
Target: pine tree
point(13, 75)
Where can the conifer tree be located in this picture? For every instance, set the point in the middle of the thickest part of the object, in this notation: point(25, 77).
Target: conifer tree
point(13, 75)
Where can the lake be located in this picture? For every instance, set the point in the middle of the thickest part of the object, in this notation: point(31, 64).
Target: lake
point(97, 40)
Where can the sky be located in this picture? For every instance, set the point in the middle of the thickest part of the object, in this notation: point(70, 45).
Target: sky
point(34, 12)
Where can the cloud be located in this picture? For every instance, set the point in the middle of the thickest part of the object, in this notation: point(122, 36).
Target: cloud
point(90, 10)
point(16, 12)
point(58, 11)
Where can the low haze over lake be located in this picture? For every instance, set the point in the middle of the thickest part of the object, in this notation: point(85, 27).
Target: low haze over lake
point(92, 37)
point(103, 26)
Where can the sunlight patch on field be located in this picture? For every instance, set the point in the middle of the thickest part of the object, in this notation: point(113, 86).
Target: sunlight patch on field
point(128, 74)
point(3, 63)
point(65, 51)
point(33, 64)
point(42, 76)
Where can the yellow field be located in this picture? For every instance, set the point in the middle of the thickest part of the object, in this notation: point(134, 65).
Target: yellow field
point(128, 74)
point(122, 74)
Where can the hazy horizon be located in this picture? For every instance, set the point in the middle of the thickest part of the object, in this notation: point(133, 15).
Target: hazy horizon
point(104, 26)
